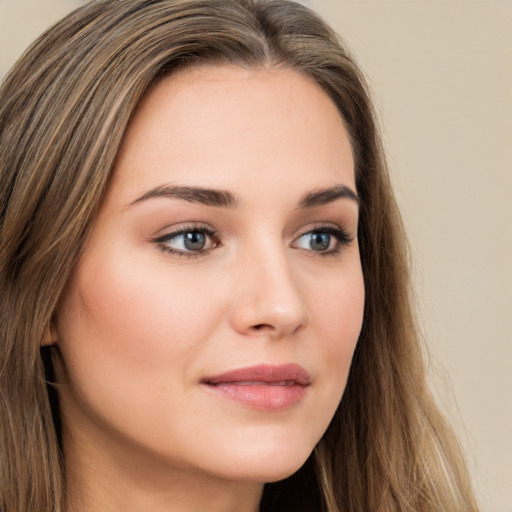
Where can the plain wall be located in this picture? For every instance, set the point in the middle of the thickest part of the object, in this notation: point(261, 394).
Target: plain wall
point(441, 72)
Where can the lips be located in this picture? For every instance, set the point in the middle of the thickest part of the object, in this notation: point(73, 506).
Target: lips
point(264, 387)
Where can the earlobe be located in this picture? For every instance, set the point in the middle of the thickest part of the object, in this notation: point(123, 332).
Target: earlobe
point(49, 337)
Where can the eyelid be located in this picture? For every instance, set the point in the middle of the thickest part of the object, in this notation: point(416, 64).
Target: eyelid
point(326, 227)
point(182, 230)
point(342, 235)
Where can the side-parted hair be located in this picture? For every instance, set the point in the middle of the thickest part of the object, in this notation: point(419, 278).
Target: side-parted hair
point(64, 109)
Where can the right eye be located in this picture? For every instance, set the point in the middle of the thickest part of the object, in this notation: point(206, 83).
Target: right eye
point(189, 241)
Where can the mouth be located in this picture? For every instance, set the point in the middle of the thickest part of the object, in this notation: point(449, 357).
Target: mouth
point(263, 387)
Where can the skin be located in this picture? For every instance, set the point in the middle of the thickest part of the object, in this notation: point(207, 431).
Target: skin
point(139, 327)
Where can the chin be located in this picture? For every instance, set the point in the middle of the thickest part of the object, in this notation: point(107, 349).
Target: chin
point(266, 464)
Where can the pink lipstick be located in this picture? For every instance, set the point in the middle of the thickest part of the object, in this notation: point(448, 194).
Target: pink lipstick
point(265, 387)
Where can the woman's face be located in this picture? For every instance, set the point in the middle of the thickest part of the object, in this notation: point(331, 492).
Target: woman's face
point(209, 325)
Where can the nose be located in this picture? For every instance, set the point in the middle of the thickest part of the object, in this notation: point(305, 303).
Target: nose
point(268, 299)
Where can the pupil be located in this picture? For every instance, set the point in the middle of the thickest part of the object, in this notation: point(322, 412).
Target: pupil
point(320, 241)
point(195, 240)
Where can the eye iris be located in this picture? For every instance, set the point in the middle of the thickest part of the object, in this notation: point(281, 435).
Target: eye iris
point(320, 241)
point(194, 241)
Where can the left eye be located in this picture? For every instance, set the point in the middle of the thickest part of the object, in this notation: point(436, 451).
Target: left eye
point(325, 240)
point(191, 241)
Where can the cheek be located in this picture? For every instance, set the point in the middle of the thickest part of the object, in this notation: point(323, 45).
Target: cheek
point(341, 315)
point(120, 325)
point(337, 318)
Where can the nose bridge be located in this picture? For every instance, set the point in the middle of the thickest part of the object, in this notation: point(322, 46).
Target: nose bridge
point(268, 297)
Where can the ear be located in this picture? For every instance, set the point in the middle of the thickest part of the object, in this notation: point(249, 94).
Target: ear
point(49, 337)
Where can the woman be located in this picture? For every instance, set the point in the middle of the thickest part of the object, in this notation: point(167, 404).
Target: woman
point(205, 297)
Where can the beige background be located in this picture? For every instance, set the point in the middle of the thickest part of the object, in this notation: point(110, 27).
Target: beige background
point(441, 71)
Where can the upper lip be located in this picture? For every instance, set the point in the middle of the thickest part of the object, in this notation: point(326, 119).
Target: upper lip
point(264, 373)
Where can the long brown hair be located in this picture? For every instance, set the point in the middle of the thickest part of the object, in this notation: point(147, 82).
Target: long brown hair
point(63, 111)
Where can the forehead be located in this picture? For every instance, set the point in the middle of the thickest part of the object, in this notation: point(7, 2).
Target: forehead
point(224, 126)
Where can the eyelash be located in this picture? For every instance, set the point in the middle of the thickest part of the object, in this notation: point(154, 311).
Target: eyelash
point(192, 228)
point(342, 237)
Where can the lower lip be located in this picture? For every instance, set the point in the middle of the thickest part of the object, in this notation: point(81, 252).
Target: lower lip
point(262, 396)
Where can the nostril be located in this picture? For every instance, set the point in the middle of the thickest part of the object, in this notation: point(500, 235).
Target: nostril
point(259, 327)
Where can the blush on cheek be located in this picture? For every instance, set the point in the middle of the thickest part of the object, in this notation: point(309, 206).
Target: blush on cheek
point(343, 322)
point(141, 318)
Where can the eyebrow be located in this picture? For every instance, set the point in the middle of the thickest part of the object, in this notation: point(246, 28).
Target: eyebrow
point(199, 195)
point(327, 195)
point(225, 199)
